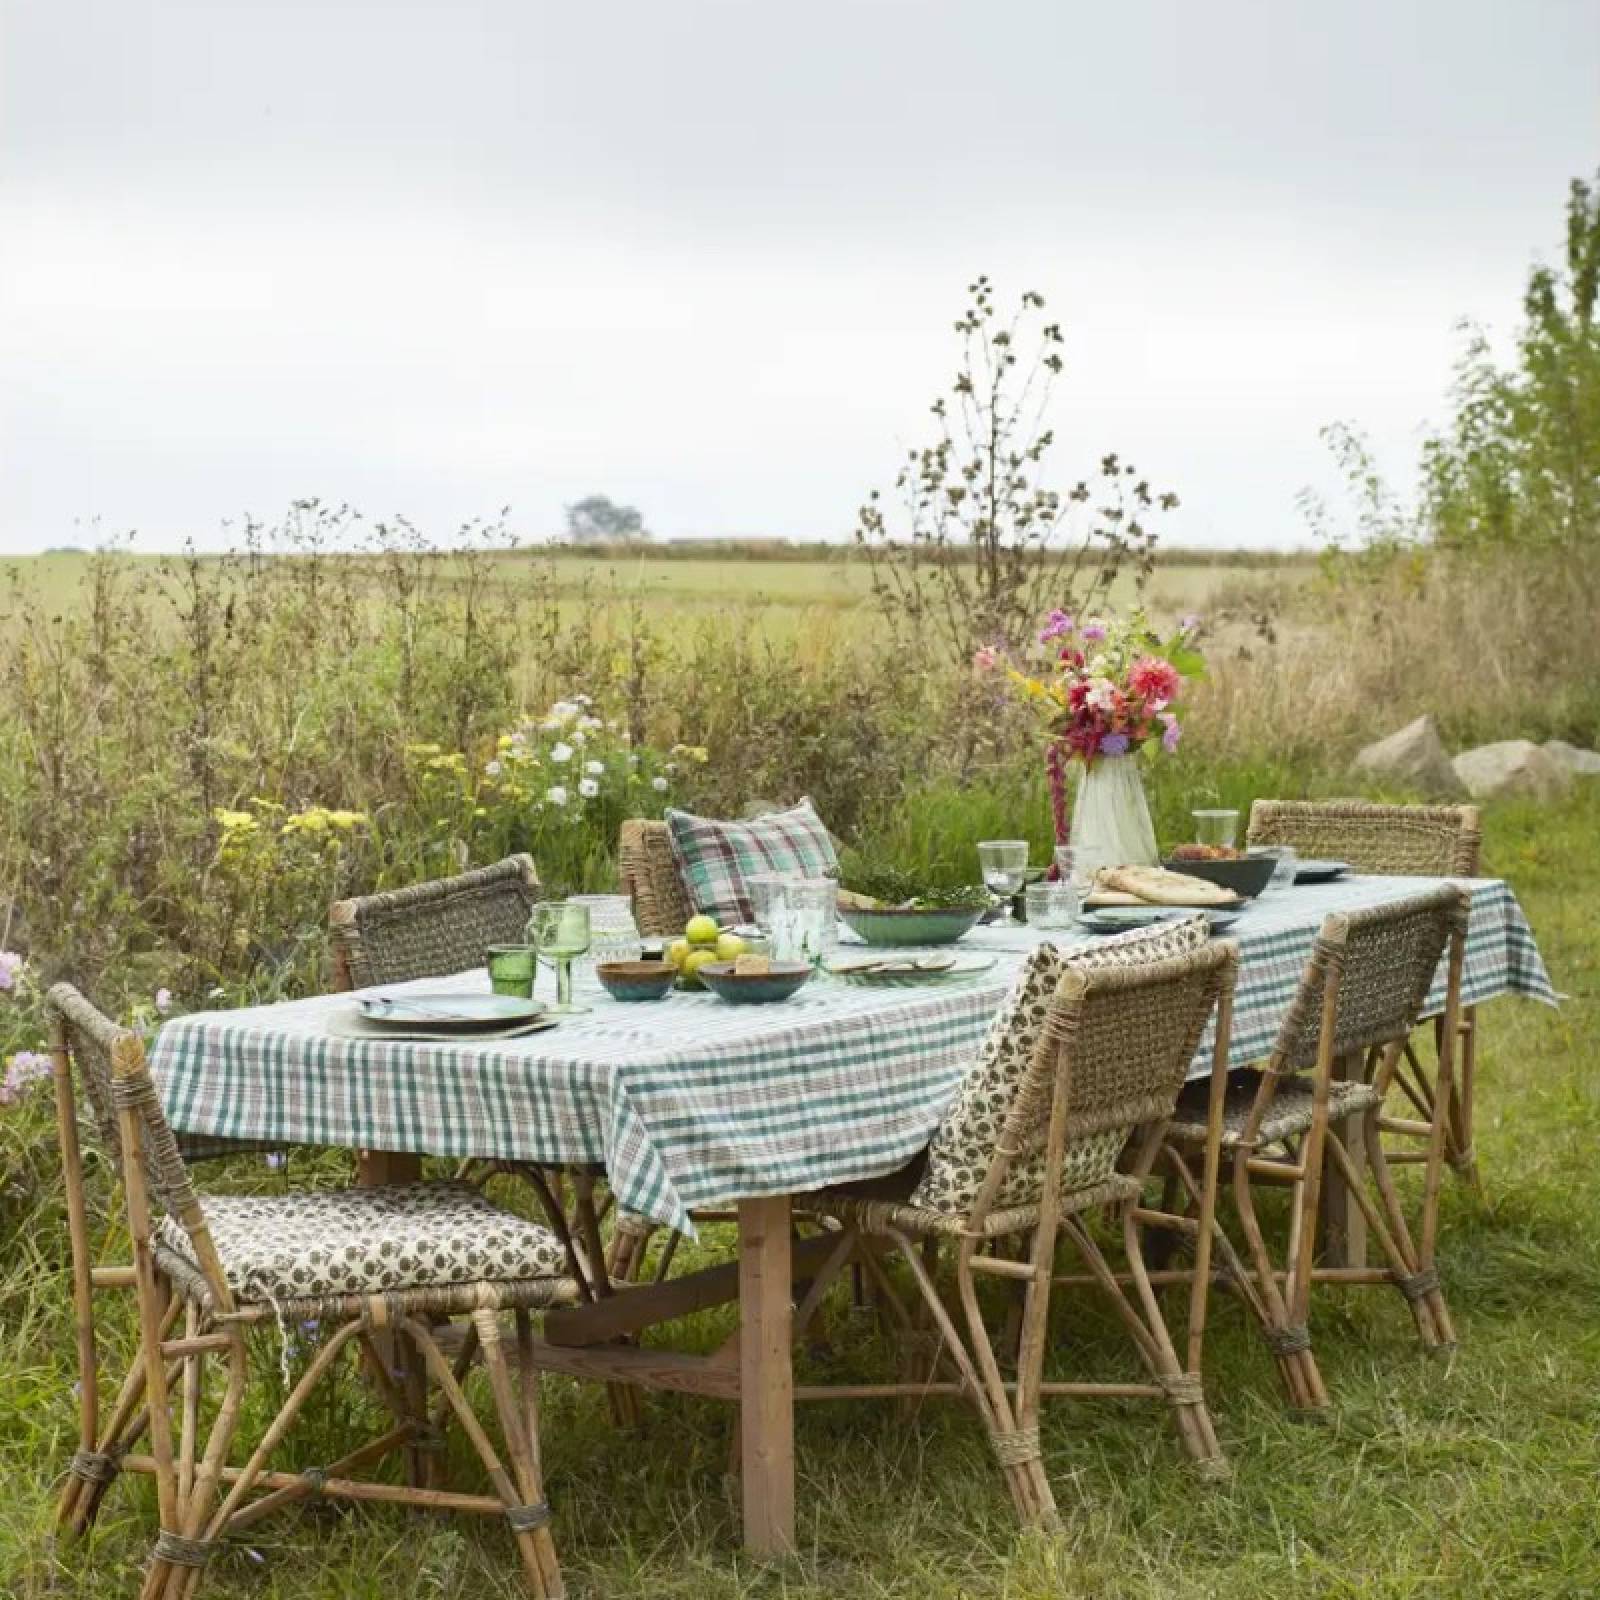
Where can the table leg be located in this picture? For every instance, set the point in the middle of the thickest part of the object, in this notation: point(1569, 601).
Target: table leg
point(1344, 1224)
point(766, 1376)
point(373, 1169)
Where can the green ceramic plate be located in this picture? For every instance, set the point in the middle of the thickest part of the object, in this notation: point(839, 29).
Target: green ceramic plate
point(888, 927)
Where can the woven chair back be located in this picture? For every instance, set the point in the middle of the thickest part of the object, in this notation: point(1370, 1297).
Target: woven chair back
point(110, 1072)
point(1117, 1045)
point(1401, 841)
point(649, 877)
point(431, 930)
point(1384, 959)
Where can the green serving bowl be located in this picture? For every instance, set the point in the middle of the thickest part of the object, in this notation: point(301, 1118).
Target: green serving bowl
point(636, 980)
point(890, 926)
point(753, 988)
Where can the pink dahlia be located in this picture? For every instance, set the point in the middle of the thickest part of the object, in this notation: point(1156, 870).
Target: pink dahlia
point(1155, 681)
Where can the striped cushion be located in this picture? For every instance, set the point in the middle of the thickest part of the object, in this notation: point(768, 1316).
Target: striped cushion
point(716, 860)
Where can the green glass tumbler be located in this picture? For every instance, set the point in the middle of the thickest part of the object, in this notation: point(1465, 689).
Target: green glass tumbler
point(511, 968)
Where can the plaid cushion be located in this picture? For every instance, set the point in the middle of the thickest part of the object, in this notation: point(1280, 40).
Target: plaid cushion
point(716, 860)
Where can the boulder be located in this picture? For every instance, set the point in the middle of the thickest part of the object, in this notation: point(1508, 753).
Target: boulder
point(1511, 767)
point(1414, 758)
point(1580, 763)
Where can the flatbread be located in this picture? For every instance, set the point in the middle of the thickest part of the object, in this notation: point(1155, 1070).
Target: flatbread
point(1158, 887)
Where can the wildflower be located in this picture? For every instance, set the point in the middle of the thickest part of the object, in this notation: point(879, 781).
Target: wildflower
point(561, 753)
point(274, 1160)
point(1155, 681)
point(699, 753)
point(1113, 744)
point(1171, 732)
point(10, 969)
point(588, 788)
point(556, 794)
point(1190, 624)
point(493, 769)
point(26, 1066)
point(594, 768)
point(986, 658)
point(579, 737)
point(163, 1001)
point(234, 821)
point(1056, 624)
point(659, 785)
point(590, 724)
point(1094, 628)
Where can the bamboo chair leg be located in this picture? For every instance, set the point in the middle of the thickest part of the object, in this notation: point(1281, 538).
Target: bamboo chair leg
point(1421, 1290)
point(184, 1581)
point(534, 1568)
point(519, 1426)
point(1184, 1389)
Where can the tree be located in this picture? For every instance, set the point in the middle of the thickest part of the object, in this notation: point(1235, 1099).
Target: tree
point(597, 520)
point(1519, 463)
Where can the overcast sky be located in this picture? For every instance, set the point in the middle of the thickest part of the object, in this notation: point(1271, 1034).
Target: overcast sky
point(439, 258)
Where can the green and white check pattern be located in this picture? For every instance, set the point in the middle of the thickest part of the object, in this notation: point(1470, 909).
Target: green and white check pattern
point(716, 860)
point(691, 1102)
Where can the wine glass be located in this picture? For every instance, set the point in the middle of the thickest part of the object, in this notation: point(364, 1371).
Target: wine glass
point(559, 930)
point(1004, 864)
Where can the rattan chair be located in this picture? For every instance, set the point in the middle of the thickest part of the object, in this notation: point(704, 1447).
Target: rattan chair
point(1103, 1067)
point(430, 930)
point(225, 1265)
point(1399, 841)
point(649, 877)
point(1320, 1097)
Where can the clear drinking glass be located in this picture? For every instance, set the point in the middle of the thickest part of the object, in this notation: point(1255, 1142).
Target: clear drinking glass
point(1004, 864)
point(1219, 826)
point(804, 916)
point(560, 931)
point(1287, 860)
point(763, 888)
point(1051, 905)
point(613, 934)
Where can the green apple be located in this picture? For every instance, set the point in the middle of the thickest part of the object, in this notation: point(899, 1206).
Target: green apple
point(701, 930)
point(730, 947)
point(677, 952)
point(692, 964)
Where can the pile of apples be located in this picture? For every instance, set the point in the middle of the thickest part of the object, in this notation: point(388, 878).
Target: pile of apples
point(702, 941)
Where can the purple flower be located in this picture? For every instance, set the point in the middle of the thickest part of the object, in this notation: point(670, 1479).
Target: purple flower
point(163, 1001)
point(1170, 733)
point(1190, 623)
point(25, 1067)
point(275, 1160)
point(1113, 744)
point(1056, 624)
point(1094, 628)
point(10, 969)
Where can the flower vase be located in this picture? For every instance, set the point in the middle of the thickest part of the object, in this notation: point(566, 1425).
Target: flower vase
point(1111, 824)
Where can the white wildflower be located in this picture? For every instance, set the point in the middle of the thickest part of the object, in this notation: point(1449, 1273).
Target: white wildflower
point(556, 794)
point(561, 753)
point(588, 788)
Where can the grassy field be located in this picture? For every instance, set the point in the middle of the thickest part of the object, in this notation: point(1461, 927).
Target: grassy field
point(1474, 1478)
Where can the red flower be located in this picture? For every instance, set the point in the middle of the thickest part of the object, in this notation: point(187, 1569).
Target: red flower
point(1155, 681)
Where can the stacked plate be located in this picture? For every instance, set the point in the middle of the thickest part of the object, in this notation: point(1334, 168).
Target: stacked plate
point(899, 972)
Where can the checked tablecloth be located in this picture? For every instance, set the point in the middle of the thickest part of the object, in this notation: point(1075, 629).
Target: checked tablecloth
point(692, 1102)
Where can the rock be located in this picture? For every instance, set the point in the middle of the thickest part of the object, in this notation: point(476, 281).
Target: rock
point(1416, 758)
point(1511, 767)
point(1580, 763)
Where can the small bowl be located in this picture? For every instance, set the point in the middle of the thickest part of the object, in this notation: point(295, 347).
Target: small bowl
point(636, 980)
point(754, 988)
point(1247, 875)
point(890, 926)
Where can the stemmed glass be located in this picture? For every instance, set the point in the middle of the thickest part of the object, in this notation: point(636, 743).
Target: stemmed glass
point(559, 931)
point(1004, 864)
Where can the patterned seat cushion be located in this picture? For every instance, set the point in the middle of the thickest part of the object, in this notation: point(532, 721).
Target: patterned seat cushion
point(963, 1145)
point(277, 1247)
point(716, 860)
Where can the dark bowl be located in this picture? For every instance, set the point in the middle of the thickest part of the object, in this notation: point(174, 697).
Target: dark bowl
point(636, 980)
point(753, 988)
point(898, 927)
point(1247, 875)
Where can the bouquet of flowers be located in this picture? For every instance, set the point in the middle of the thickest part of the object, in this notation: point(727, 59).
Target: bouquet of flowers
point(1105, 687)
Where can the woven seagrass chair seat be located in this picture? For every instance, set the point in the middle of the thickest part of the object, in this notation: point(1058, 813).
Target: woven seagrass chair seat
point(396, 1240)
point(1290, 1115)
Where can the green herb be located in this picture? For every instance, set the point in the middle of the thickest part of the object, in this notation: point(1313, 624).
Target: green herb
point(896, 887)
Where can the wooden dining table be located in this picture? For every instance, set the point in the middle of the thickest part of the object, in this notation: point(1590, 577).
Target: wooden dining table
point(690, 1103)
